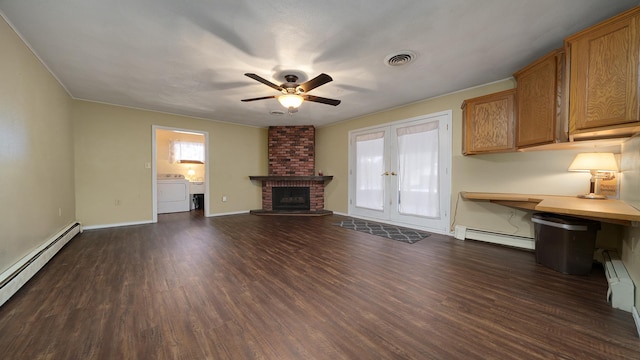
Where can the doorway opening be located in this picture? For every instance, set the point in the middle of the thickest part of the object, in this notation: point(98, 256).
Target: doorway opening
point(180, 171)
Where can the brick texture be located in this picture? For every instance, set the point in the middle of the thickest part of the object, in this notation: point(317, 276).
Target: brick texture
point(292, 150)
point(316, 192)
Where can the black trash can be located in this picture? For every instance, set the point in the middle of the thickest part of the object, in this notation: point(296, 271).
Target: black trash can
point(565, 243)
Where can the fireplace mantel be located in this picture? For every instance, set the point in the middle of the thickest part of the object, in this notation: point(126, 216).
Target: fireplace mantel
point(291, 178)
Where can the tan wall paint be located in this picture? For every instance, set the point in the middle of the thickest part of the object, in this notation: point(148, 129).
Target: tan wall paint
point(630, 192)
point(36, 152)
point(540, 172)
point(112, 145)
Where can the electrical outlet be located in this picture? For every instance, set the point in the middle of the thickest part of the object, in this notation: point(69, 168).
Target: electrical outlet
point(224, 198)
point(117, 202)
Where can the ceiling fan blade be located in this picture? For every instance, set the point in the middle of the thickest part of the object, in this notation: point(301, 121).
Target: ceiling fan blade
point(315, 82)
point(260, 98)
point(264, 81)
point(322, 100)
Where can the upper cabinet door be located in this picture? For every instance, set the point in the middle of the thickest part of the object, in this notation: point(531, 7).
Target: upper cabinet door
point(489, 123)
point(604, 63)
point(541, 118)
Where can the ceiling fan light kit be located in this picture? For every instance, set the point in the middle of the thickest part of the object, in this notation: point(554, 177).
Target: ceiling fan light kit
point(290, 100)
point(292, 97)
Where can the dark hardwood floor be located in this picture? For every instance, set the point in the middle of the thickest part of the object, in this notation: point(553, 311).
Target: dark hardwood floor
point(254, 287)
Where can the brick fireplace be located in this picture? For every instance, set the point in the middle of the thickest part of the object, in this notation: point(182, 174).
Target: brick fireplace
point(292, 150)
point(291, 166)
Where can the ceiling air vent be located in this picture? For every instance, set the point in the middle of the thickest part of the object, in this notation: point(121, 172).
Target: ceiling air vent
point(400, 58)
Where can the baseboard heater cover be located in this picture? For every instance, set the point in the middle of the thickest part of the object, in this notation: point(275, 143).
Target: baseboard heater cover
point(462, 232)
point(621, 288)
point(16, 276)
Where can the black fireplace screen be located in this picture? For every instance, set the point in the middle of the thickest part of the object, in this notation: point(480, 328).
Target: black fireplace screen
point(291, 198)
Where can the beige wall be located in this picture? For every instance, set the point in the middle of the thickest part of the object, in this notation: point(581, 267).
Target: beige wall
point(539, 172)
point(36, 152)
point(630, 192)
point(113, 144)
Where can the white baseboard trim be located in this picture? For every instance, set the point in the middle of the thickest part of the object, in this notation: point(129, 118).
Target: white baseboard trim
point(17, 275)
point(228, 213)
point(106, 226)
point(636, 319)
point(462, 232)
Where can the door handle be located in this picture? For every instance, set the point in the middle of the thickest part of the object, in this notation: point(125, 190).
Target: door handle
point(393, 173)
point(386, 173)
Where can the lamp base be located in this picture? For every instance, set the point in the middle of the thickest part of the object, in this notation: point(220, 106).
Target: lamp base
point(593, 196)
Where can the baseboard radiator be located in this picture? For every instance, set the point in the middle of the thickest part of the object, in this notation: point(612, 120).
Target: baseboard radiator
point(621, 289)
point(462, 232)
point(16, 276)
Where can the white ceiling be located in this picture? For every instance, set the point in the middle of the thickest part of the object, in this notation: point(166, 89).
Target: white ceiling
point(189, 57)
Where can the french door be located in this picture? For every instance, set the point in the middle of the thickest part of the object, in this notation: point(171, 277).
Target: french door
point(400, 173)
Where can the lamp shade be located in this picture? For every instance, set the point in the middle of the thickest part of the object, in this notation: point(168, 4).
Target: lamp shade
point(594, 161)
point(290, 100)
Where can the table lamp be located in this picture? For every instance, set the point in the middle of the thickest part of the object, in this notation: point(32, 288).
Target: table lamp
point(600, 165)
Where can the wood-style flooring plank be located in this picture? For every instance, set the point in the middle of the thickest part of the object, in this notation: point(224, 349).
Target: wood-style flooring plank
point(254, 287)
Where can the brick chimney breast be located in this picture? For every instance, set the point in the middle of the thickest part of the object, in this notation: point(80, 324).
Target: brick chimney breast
point(292, 150)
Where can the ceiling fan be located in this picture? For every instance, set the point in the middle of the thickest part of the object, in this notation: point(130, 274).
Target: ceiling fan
point(293, 94)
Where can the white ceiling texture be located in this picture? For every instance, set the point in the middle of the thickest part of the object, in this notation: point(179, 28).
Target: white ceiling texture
point(189, 57)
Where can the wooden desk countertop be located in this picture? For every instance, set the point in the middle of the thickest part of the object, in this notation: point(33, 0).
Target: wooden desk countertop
point(612, 211)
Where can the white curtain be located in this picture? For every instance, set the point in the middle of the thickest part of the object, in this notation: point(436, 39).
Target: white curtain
point(418, 184)
point(186, 151)
point(369, 169)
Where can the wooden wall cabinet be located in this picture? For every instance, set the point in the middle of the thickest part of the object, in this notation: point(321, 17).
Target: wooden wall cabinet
point(489, 123)
point(604, 61)
point(541, 97)
point(590, 90)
